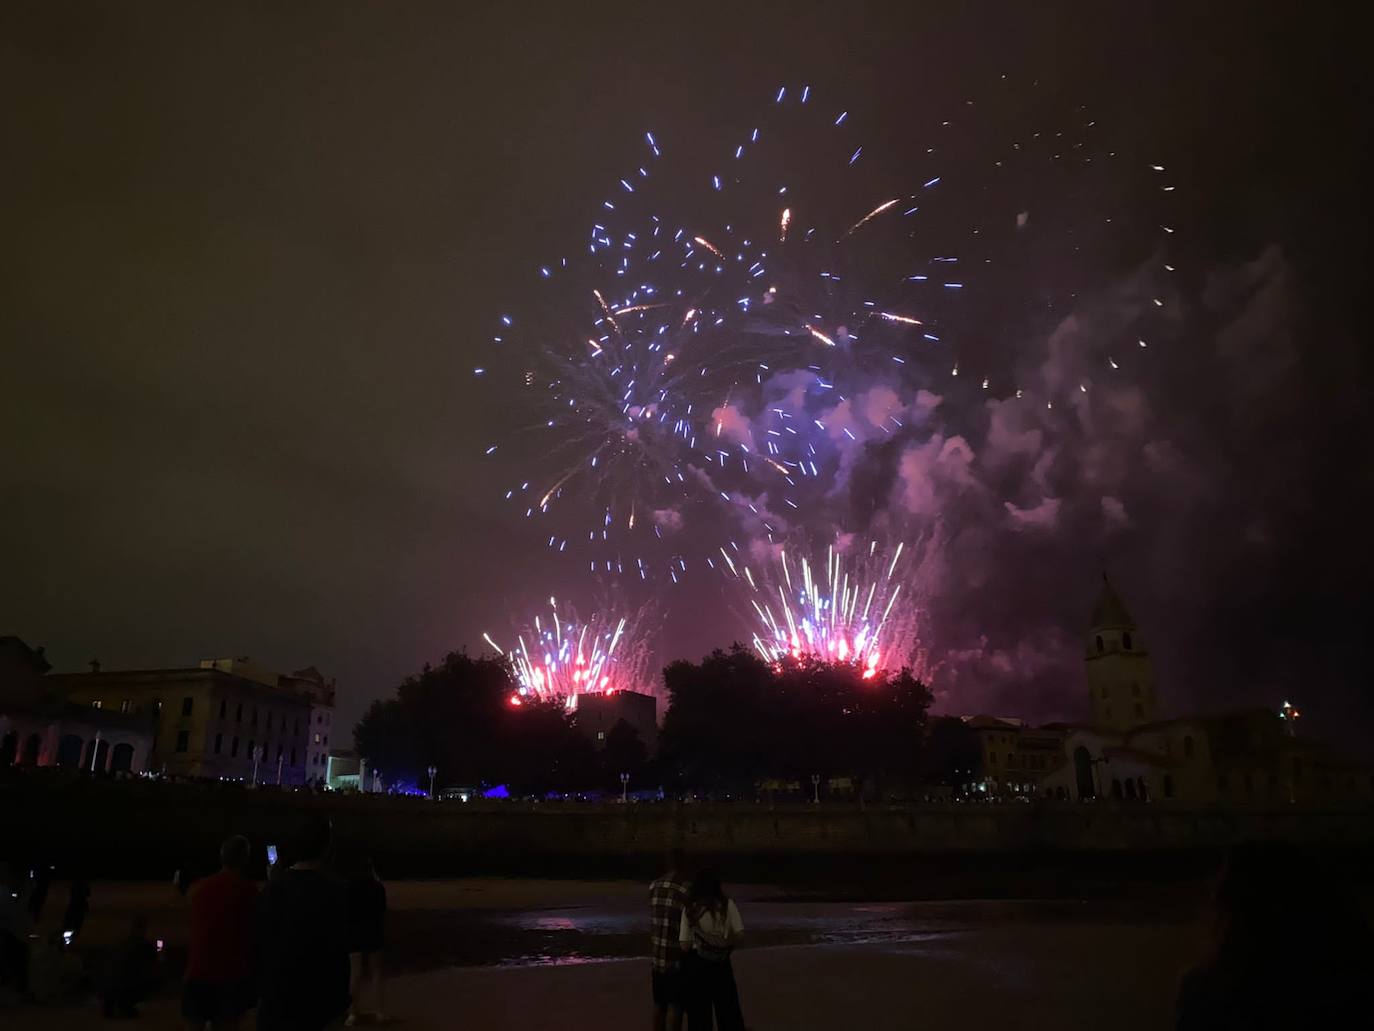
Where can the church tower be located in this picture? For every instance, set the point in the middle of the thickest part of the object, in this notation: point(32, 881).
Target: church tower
point(1121, 678)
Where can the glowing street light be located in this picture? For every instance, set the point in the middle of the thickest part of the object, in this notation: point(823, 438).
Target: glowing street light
point(432, 771)
point(816, 788)
point(624, 788)
point(1290, 715)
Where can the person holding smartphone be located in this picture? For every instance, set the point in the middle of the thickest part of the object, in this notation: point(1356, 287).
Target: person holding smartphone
point(219, 986)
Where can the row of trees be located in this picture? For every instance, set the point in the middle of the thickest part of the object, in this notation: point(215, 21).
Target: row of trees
point(458, 717)
point(733, 723)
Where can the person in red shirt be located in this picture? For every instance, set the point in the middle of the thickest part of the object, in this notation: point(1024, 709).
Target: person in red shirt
point(219, 987)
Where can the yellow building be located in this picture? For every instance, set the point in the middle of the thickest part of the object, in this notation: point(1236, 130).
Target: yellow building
point(225, 719)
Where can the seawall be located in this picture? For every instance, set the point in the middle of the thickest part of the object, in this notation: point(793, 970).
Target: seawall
point(144, 828)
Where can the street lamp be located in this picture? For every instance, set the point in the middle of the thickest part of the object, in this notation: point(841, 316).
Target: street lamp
point(1290, 715)
point(432, 771)
point(257, 758)
point(816, 788)
point(624, 788)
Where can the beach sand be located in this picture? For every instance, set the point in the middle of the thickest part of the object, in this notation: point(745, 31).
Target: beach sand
point(1001, 967)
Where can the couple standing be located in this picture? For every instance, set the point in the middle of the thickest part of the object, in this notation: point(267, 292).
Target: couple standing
point(694, 928)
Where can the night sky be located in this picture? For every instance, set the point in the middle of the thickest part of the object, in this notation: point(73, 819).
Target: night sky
point(253, 252)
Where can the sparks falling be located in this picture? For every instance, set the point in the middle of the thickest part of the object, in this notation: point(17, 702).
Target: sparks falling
point(655, 355)
point(854, 610)
point(559, 657)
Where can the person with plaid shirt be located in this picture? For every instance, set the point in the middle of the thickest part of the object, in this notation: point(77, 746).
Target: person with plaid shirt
point(667, 896)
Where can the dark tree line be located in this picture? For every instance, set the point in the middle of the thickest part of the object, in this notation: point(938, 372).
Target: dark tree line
point(459, 718)
point(735, 720)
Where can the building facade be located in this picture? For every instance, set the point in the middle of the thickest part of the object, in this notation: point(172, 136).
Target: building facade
point(312, 684)
point(598, 713)
point(224, 719)
point(40, 728)
point(1124, 752)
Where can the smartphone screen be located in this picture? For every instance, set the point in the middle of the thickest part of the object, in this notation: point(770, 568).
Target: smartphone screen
point(271, 855)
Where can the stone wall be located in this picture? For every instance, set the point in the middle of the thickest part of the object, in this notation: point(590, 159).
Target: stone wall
point(142, 828)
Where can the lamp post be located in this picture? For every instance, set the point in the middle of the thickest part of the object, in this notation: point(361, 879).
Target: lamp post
point(1290, 715)
point(816, 788)
point(257, 758)
point(624, 788)
point(279, 759)
point(432, 771)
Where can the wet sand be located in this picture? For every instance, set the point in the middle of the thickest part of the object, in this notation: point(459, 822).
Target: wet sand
point(808, 965)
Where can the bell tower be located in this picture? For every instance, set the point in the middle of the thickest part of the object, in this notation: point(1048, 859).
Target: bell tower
point(1121, 678)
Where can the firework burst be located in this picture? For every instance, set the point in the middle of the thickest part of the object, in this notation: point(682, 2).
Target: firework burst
point(560, 656)
point(698, 359)
point(861, 607)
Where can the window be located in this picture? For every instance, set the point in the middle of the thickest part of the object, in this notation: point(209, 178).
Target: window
point(326, 741)
point(126, 705)
point(293, 757)
point(1126, 640)
point(219, 743)
point(992, 758)
point(234, 748)
point(269, 721)
point(298, 726)
point(186, 705)
point(250, 749)
point(279, 750)
point(238, 713)
point(183, 740)
point(157, 706)
point(97, 704)
point(1102, 691)
point(1188, 747)
point(223, 707)
point(1168, 786)
point(601, 735)
point(254, 721)
point(317, 739)
point(1139, 711)
point(1099, 644)
point(1108, 711)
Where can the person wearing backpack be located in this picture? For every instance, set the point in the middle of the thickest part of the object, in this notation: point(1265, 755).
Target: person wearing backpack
point(710, 930)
